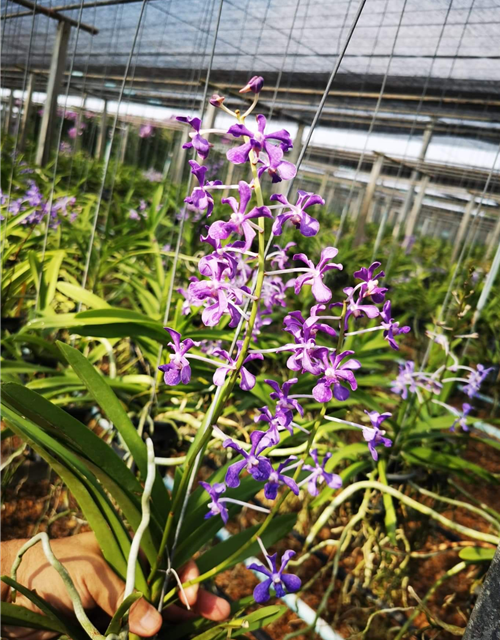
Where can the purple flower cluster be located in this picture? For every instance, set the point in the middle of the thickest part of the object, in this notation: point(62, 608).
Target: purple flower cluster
point(234, 277)
point(34, 200)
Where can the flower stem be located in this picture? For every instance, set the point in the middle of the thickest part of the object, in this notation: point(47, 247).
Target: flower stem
point(219, 400)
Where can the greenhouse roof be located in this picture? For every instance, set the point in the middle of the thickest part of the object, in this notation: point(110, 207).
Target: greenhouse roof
point(444, 48)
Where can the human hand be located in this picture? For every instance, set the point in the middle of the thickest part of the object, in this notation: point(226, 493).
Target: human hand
point(98, 586)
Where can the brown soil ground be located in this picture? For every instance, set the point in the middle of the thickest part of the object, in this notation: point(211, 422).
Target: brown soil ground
point(36, 502)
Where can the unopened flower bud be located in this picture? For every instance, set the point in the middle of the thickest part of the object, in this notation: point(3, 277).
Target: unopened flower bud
point(216, 100)
point(254, 85)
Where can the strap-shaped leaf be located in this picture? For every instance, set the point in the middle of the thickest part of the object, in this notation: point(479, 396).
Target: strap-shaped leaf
point(87, 476)
point(114, 625)
point(109, 403)
point(72, 432)
point(104, 534)
point(50, 612)
point(17, 616)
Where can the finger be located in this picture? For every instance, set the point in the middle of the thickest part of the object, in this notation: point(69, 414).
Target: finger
point(23, 633)
point(212, 607)
point(189, 572)
point(107, 591)
point(144, 620)
point(178, 614)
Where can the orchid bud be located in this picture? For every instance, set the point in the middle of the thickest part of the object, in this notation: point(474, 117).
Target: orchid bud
point(216, 100)
point(254, 85)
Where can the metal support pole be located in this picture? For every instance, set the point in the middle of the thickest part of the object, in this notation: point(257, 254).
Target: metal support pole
point(414, 178)
point(425, 227)
point(371, 211)
point(329, 198)
point(414, 213)
point(323, 185)
point(57, 65)
point(462, 229)
point(494, 240)
point(28, 101)
point(294, 154)
point(209, 119)
point(359, 238)
point(393, 213)
point(357, 204)
point(101, 139)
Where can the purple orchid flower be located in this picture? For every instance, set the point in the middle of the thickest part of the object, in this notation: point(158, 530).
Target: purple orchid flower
point(224, 295)
point(355, 308)
point(281, 582)
point(303, 330)
point(273, 292)
point(375, 435)
point(178, 369)
point(335, 373)
point(296, 213)
point(285, 406)
point(279, 258)
point(391, 327)
point(201, 145)
point(206, 263)
point(254, 85)
point(462, 419)
point(258, 141)
point(215, 507)
point(239, 221)
point(200, 197)
point(475, 380)
point(276, 424)
point(372, 289)
point(262, 320)
point(277, 478)
point(258, 466)
point(34, 196)
point(316, 274)
point(247, 378)
point(408, 380)
point(273, 163)
point(146, 131)
point(319, 475)
point(133, 215)
point(15, 206)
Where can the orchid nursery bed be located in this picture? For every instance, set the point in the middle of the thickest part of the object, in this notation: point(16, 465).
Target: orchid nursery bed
point(200, 370)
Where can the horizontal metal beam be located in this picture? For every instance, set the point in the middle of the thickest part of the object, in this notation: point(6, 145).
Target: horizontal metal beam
point(72, 7)
point(55, 15)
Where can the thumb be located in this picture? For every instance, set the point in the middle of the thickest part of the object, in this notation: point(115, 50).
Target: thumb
point(144, 620)
point(107, 591)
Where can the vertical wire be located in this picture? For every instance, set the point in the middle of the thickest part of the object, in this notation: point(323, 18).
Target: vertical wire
point(444, 310)
point(56, 163)
point(18, 121)
point(108, 156)
point(183, 216)
point(238, 329)
point(116, 166)
point(280, 73)
point(85, 74)
point(372, 124)
point(115, 30)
